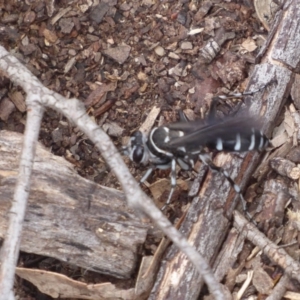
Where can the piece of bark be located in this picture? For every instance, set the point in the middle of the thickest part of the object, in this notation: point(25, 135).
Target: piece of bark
point(68, 217)
point(206, 224)
point(231, 249)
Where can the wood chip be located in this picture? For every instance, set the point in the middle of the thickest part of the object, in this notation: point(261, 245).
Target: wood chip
point(249, 45)
point(6, 108)
point(50, 36)
point(19, 101)
point(113, 129)
point(195, 31)
point(119, 54)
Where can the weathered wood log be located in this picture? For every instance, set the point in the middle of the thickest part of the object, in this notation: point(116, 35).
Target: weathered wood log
point(206, 223)
point(68, 217)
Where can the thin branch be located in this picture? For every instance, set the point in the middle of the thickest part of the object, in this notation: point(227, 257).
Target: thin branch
point(274, 252)
point(75, 112)
point(10, 249)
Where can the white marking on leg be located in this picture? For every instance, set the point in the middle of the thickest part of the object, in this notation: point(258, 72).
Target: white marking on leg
point(252, 144)
point(219, 145)
point(147, 174)
point(237, 188)
point(173, 173)
point(261, 142)
point(237, 146)
point(180, 133)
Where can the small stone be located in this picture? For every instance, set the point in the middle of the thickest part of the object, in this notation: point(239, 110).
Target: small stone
point(6, 108)
point(195, 31)
point(172, 46)
point(125, 6)
point(110, 41)
point(72, 52)
point(113, 129)
point(25, 41)
point(148, 2)
point(142, 76)
point(98, 12)
point(173, 55)
point(66, 25)
point(143, 88)
point(29, 17)
point(119, 54)
point(74, 150)
point(165, 60)
point(186, 46)
point(141, 60)
point(160, 51)
point(181, 17)
point(97, 56)
point(57, 135)
point(139, 101)
point(50, 36)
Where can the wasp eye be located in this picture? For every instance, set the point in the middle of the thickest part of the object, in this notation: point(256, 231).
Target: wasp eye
point(138, 154)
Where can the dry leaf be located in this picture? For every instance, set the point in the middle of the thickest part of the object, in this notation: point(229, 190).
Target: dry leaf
point(18, 99)
point(265, 10)
point(159, 187)
point(58, 285)
point(249, 44)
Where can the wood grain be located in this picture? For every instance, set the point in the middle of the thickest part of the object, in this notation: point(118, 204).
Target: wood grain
point(68, 217)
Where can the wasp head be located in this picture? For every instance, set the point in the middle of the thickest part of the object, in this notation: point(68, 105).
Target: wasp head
point(137, 149)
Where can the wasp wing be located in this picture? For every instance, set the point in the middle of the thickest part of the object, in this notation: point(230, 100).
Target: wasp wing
point(233, 133)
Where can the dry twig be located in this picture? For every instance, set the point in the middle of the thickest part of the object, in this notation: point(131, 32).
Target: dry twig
point(274, 252)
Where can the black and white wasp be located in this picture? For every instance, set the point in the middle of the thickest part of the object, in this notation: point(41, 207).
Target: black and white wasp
point(186, 141)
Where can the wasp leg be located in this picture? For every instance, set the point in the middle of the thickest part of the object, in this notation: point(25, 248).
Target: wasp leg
point(147, 174)
point(217, 99)
point(207, 160)
point(173, 183)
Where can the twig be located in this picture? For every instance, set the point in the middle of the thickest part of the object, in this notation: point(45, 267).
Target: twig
point(245, 285)
point(274, 252)
point(10, 249)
